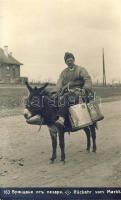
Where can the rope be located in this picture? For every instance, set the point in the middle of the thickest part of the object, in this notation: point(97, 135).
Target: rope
point(40, 125)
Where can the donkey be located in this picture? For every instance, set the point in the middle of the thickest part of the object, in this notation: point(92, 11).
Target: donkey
point(40, 102)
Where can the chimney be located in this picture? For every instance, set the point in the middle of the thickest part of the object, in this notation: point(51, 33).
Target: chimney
point(6, 50)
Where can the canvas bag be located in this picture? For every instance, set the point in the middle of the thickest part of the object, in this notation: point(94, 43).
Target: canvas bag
point(79, 116)
point(95, 111)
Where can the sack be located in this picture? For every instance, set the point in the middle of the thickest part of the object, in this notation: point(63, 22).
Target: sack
point(95, 111)
point(79, 116)
point(35, 120)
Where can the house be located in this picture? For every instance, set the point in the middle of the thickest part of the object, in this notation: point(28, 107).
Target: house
point(9, 68)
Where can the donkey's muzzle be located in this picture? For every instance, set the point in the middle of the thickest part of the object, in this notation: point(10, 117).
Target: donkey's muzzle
point(27, 114)
point(35, 120)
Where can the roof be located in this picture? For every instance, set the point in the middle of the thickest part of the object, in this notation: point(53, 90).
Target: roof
point(8, 59)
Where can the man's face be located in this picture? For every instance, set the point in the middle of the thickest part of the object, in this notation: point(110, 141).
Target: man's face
point(70, 62)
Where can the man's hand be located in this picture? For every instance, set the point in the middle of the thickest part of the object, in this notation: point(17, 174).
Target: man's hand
point(82, 92)
point(63, 89)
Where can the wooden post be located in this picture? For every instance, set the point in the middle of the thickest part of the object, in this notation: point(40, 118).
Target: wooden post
point(104, 74)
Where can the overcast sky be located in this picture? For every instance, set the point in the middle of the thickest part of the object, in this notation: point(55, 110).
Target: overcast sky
point(39, 32)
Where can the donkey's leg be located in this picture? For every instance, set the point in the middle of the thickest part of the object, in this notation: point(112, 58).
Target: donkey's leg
point(93, 134)
point(87, 131)
point(62, 144)
point(53, 134)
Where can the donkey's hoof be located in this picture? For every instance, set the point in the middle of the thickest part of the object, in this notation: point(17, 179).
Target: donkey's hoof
point(63, 157)
point(88, 150)
point(52, 161)
point(53, 158)
point(94, 150)
point(63, 161)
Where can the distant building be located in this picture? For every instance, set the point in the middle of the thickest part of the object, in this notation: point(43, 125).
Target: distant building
point(9, 68)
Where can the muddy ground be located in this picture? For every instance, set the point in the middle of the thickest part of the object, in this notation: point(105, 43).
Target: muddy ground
point(25, 153)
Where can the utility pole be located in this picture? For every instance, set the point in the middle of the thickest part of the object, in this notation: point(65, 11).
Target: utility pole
point(104, 74)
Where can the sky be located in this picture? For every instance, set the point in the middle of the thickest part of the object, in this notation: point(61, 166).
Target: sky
point(39, 32)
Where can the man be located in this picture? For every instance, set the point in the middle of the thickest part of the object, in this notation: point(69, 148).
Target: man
point(72, 77)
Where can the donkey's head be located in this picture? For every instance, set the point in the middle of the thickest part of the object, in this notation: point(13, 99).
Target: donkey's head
point(34, 102)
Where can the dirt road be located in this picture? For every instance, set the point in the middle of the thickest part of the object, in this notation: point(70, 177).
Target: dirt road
point(25, 153)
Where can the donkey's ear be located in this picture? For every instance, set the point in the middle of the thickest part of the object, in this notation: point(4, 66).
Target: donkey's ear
point(43, 87)
point(28, 86)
